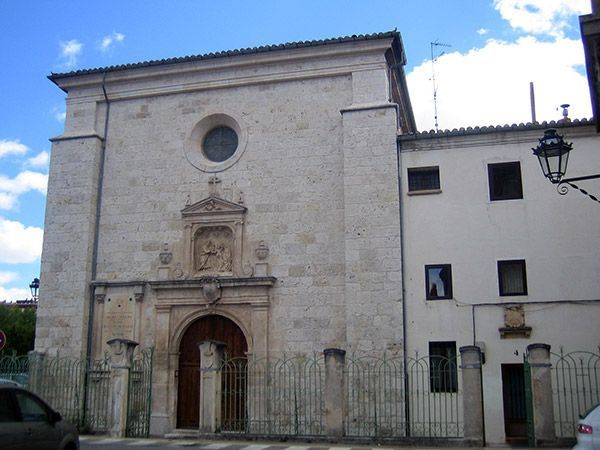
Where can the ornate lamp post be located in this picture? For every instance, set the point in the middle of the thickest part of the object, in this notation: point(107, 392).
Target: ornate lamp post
point(553, 155)
point(34, 287)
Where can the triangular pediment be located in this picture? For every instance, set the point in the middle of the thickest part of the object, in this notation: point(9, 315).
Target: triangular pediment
point(213, 205)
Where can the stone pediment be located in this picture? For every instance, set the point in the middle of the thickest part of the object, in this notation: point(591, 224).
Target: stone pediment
point(213, 206)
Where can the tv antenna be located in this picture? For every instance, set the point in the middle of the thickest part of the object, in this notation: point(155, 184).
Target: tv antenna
point(434, 45)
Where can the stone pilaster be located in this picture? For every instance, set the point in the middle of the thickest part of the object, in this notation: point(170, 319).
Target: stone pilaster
point(121, 360)
point(373, 287)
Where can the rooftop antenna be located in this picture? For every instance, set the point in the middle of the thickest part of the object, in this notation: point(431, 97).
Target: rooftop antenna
point(433, 45)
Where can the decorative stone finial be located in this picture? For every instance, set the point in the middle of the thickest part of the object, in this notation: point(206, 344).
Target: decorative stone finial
point(165, 256)
point(262, 251)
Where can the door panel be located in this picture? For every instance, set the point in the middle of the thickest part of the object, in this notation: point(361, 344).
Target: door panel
point(513, 394)
point(213, 327)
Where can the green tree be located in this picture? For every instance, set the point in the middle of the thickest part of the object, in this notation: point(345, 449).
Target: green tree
point(18, 325)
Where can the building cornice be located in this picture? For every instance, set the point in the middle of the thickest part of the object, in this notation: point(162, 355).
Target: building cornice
point(228, 69)
point(502, 135)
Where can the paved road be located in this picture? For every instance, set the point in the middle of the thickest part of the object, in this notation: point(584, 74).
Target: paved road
point(100, 443)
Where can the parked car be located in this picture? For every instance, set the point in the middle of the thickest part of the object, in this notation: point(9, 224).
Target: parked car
point(28, 423)
point(588, 430)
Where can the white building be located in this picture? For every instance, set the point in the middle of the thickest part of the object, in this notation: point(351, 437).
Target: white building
point(520, 262)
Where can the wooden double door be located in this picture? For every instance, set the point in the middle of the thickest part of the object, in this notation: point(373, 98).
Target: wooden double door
point(212, 327)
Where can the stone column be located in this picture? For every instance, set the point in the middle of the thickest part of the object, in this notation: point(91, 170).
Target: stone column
point(470, 357)
point(121, 359)
point(541, 390)
point(334, 391)
point(211, 357)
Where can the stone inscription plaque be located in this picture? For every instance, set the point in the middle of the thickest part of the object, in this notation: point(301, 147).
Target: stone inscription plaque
point(119, 318)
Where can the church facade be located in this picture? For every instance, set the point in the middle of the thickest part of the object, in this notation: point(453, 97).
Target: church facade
point(251, 194)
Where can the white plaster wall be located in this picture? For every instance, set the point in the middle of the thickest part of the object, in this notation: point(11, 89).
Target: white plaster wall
point(557, 236)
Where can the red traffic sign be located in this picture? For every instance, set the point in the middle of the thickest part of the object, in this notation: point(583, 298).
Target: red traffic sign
point(2, 340)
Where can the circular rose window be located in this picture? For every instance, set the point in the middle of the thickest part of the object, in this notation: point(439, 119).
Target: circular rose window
point(220, 144)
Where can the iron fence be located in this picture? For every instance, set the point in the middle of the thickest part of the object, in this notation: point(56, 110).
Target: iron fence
point(575, 388)
point(435, 399)
point(140, 395)
point(388, 399)
point(15, 368)
point(375, 396)
point(80, 389)
point(383, 397)
point(273, 396)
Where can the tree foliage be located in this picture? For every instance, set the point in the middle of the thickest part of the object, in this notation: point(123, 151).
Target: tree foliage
point(18, 325)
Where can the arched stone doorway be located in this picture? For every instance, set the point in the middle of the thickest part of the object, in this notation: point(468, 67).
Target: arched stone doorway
point(214, 327)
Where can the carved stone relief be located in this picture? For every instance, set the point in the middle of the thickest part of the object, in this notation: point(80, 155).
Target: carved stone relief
point(514, 323)
point(213, 250)
point(213, 231)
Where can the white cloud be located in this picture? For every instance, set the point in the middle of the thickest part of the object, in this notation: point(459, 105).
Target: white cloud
point(8, 277)
point(107, 41)
point(40, 161)
point(12, 188)
point(541, 16)
point(14, 294)
point(12, 148)
point(59, 114)
point(18, 243)
point(490, 85)
point(482, 31)
point(70, 51)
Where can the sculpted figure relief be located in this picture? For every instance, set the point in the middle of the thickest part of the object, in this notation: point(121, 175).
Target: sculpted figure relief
point(212, 250)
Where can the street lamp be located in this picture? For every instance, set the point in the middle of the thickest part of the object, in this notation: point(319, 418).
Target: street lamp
point(34, 287)
point(553, 155)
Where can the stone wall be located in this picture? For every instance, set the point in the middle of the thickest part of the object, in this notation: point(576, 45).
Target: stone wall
point(317, 177)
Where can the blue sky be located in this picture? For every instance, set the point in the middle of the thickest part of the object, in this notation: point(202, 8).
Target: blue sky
point(497, 48)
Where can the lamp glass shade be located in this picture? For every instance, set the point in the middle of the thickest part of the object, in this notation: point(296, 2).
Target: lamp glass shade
point(553, 155)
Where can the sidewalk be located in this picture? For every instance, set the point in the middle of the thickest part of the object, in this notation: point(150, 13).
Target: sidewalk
point(210, 444)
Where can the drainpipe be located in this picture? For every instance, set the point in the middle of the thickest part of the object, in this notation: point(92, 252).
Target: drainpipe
point(403, 284)
point(96, 236)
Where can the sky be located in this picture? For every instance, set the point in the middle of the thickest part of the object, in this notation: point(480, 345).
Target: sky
point(486, 54)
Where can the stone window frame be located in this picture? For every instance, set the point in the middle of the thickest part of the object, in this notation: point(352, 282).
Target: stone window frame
point(193, 147)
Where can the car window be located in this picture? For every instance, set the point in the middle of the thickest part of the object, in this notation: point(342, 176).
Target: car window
point(8, 412)
point(31, 409)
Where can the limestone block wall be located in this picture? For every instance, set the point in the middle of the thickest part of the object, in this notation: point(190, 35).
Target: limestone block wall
point(317, 177)
point(68, 246)
point(290, 178)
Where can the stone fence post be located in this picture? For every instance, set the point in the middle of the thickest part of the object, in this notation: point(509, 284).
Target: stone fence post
point(121, 360)
point(211, 358)
point(541, 390)
point(334, 391)
point(470, 357)
point(36, 369)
